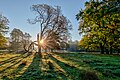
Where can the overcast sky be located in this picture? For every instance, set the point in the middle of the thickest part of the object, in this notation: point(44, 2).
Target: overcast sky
point(18, 11)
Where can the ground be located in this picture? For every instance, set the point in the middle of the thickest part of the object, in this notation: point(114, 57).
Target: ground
point(59, 66)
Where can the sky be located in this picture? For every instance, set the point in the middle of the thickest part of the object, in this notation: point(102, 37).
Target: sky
point(18, 11)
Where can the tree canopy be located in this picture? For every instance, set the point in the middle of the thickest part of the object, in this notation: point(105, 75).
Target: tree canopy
point(100, 21)
point(54, 26)
point(19, 40)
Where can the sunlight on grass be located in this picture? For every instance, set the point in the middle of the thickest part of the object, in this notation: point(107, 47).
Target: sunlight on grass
point(70, 63)
point(28, 60)
point(4, 57)
point(58, 66)
point(104, 66)
point(10, 68)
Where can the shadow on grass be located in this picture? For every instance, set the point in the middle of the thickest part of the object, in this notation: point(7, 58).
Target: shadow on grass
point(58, 70)
point(18, 69)
point(100, 63)
point(73, 72)
point(51, 71)
point(33, 72)
point(108, 69)
point(13, 63)
point(10, 66)
point(5, 76)
point(12, 59)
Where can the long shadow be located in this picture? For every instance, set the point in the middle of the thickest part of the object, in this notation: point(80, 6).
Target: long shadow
point(12, 59)
point(73, 72)
point(59, 74)
point(9, 60)
point(19, 68)
point(13, 64)
point(107, 70)
point(10, 66)
point(51, 71)
point(33, 72)
point(16, 71)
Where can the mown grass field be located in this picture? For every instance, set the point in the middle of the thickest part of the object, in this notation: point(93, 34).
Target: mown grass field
point(59, 66)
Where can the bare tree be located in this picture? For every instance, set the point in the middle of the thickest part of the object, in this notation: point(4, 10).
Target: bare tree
point(54, 26)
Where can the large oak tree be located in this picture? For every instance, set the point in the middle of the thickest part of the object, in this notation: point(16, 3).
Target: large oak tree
point(100, 20)
point(54, 26)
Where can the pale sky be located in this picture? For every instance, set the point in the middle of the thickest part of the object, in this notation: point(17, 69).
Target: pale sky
point(18, 11)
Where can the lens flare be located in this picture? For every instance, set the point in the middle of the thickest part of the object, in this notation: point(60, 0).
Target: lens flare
point(41, 41)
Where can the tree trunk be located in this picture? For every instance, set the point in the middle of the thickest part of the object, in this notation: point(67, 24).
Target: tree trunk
point(52, 50)
point(111, 50)
point(39, 46)
point(118, 51)
point(86, 50)
point(102, 49)
point(39, 51)
point(107, 51)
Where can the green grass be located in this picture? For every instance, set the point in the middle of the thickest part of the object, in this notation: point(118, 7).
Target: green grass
point(59, 66)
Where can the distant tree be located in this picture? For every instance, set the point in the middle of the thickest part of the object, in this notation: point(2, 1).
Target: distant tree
point(16, 39)
point(3, 24)
point(73, 46)
point(26, 41)
point(3, 30)
point(54, 26)
point(19, 40)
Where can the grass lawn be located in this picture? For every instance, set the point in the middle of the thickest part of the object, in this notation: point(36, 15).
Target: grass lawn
point(59, 66)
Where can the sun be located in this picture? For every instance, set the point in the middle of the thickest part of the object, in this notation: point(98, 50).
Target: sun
point(41, 41)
